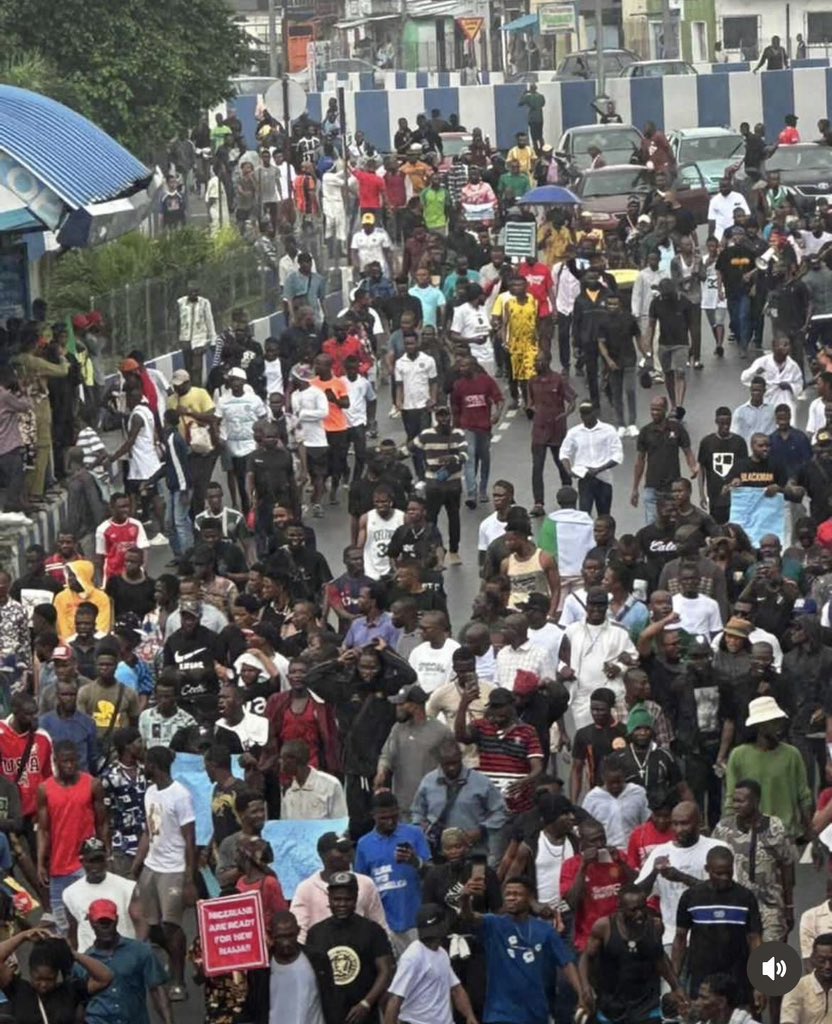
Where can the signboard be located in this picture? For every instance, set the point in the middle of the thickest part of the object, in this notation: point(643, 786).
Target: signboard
point(470, 27)
point(556, 18)
point(520, 238)
point(232, 934)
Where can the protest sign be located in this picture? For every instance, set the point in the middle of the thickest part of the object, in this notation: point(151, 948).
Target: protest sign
point(232, 934)
point(295, 848)
point(758, 514)
point(189, 769)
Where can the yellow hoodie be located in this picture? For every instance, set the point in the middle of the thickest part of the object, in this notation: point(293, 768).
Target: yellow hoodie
point(66, 603)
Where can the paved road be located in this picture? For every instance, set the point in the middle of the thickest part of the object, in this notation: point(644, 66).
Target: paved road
point(718, 384)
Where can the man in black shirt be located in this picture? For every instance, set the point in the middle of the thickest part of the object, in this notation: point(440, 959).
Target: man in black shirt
point(657, 541)
point(735, 265)
point(616, 333)
point(192, 647)
point(815, 478)
point(301, 342)
point(775, 58)
point(230, 560)
point(658, 446)
point(308, 569)
point(673, 313)
point(758, 470)
point(594, 742)
point(270, 480)
point(718, 454)
point(359, 953)
point(417, 537)
point(717, 925)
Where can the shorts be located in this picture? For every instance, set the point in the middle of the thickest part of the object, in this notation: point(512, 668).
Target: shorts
point(161, 894)
point(136, 487)
point(716, 317)
point(317, 461)
point(774, 926)
point(674, 358)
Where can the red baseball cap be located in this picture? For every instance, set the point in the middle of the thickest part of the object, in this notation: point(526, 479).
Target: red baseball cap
point(102, 910)
point(526, 682)
point(63, 652)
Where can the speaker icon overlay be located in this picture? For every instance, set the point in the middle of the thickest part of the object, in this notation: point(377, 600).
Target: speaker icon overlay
point(774, 968)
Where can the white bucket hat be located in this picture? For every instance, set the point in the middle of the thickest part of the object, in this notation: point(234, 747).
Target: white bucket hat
point(764, 709)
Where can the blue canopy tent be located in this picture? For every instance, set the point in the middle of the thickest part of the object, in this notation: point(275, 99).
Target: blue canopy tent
point(525, 23)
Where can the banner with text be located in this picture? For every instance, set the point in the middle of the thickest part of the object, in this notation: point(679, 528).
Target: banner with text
point(232, 933)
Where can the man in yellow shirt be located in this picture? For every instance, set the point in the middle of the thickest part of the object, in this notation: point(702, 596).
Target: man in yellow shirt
point(198, 425)
point(523, 153)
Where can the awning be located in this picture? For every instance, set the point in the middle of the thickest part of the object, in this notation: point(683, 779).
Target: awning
point(525, 23)
point(355, 22)
point(436, 9)
point(55, 164)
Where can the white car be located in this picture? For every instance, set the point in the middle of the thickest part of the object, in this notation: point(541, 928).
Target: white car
point(658, 69)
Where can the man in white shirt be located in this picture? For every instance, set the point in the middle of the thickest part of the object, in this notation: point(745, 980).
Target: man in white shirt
point(589, 452)
point(371, 244)
point(817, 409)
point(196, 330)
point(424, 987)
point(722, 206)
point(432, 660)
point(672, 867)
point(335, 215)
point(698, 613)
point(293, 986)
point(100, 884)
point(620, 806)
point(415, 378)
point(542, 633)
point(238, 409)
point(494, 526)
point(312, 795)
point(783, 377)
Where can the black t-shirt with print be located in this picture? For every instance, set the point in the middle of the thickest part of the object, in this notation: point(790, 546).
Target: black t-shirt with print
point(733, 263)
point(353, 946)
point(718, 456)
point(592, 744)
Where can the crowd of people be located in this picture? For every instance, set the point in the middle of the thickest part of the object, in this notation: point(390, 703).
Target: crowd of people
point(584, 790)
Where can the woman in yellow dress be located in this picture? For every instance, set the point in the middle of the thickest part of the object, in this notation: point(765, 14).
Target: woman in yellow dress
point(520, 338)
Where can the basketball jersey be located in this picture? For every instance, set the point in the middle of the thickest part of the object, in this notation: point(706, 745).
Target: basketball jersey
point(379, 531)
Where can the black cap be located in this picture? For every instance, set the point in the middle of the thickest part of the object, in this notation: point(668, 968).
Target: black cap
point(540, 601)
point(500, 698)
point(93, 847)
point(343, 880)
point(431, 921)
point(413, 694)
point(332, 841)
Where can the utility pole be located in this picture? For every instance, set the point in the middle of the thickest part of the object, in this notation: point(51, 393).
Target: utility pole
point(599, 46)
point(272, 40)
point(284, 46)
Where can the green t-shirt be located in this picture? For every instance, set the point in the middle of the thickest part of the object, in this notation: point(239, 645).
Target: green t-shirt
point(518, 183)
point(782, 777)
point(434, 203)
point(218, 135)
point(535, 102)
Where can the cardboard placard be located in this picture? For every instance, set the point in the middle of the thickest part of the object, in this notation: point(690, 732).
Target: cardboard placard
point(232, 933)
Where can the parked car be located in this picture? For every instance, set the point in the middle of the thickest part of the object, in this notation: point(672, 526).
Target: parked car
point(604, 192)
point(806, 169)
point(583, 64)
point(714, 151)
point(618, 143)
point(658, 69)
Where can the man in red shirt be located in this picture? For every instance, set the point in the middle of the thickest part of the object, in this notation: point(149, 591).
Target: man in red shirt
point(115, 536)
point(395, 186)
point(590, 881)
point(25, 758)
point(551, 400)
point(656, 153)
point(540, 285)
point(372, 193)
point(790, 136)
point(476, 403)
point(344, 344)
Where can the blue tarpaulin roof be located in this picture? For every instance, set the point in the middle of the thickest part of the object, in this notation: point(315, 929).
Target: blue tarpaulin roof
point(526, 22)
point(65, 151)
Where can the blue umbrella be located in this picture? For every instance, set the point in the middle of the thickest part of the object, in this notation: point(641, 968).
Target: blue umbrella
point(548, 195)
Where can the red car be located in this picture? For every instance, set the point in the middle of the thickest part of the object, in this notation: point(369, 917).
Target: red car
point(604, 192)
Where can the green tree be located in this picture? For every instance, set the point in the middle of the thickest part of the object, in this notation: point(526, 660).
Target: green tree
point(142, 70)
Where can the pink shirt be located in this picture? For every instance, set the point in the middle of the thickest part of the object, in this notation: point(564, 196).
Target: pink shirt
point(311, 902)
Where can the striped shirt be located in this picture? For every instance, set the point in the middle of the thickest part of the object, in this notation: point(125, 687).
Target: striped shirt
point(436, 447)
point(505, 757)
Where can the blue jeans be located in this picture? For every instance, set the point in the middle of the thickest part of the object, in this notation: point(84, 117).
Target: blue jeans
point(57, 885)
point(739, 317)
point(178, 522)
point(479, 458)
point(648, 497)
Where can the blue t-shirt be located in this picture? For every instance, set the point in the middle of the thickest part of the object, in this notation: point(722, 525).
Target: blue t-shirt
point(399, 885)
point(521, 959)
point(432, 300)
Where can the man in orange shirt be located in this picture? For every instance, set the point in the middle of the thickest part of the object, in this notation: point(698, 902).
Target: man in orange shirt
point(335, 425)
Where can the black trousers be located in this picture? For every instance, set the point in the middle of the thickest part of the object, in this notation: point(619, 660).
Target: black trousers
point(539, 452)
point(445, 494)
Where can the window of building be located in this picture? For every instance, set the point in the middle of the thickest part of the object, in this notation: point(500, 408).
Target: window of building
point(819, 27)
point(741, 32)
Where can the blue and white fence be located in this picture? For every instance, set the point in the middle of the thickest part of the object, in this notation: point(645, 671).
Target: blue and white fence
point(717, 98)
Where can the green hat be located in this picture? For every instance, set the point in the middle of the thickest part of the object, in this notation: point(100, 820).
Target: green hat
point(639, 718)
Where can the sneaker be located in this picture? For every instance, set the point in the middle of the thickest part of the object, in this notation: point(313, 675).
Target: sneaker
point(632, 430)
point(622, 431)
point(471, 503)
point(719, 351)
point(452, 559)
point(394, 413)
point(317, 512)
point(159, 541)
